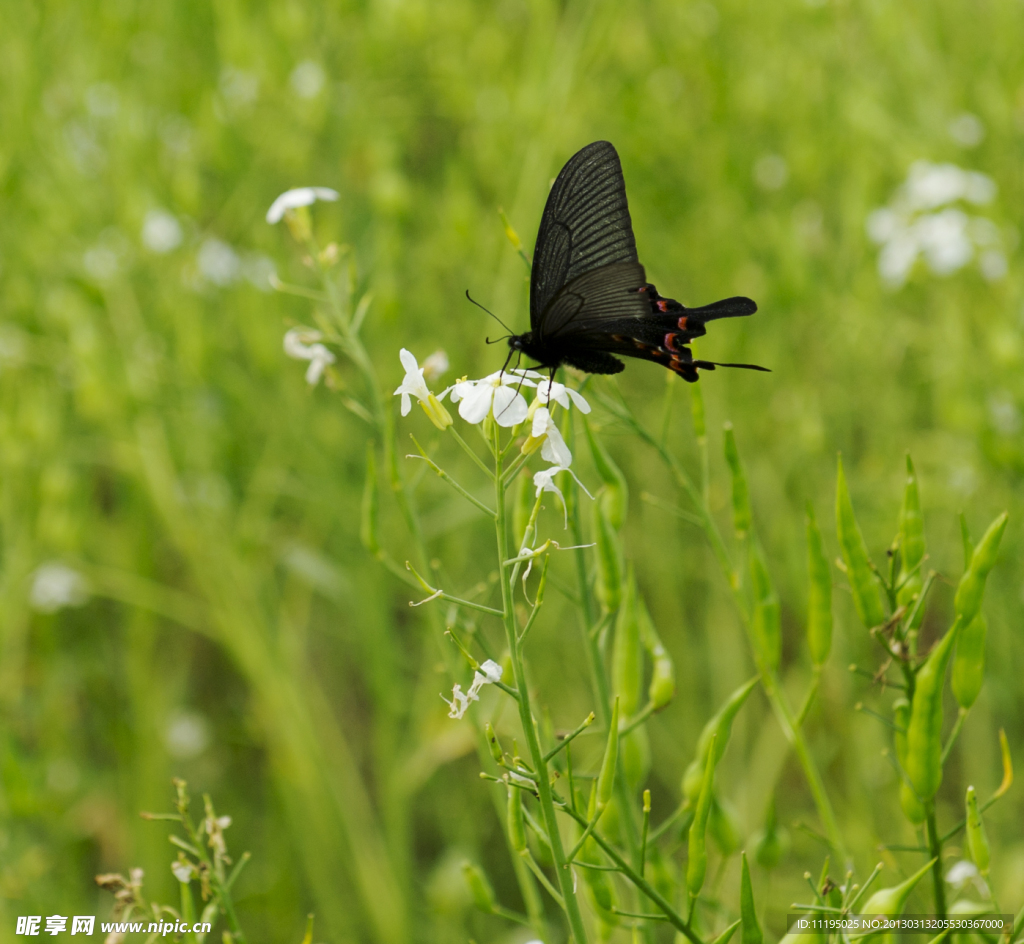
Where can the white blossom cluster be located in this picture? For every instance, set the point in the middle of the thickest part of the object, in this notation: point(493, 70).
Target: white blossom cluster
point(925, 220)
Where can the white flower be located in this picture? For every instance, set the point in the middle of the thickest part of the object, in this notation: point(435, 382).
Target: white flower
point(300, 197)
point(961, 873)
point(545, 482)
point(182, 871)
point(488, 673)
point(435, 365)
point(544, 430)
point(553, 390)
point(161, 231)
point(920, 223)
point(55, 586)
point(499, 391)
point(301, 343)
point(414, 385)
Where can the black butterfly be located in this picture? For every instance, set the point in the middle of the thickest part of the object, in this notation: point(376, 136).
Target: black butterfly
point(589, 296)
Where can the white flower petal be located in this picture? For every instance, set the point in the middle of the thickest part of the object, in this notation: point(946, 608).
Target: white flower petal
point(554, 449)
point(476, 401)
point(299, 197)
point(577, 398)
point(492, 671)
point(510, 408)
point(540, 422)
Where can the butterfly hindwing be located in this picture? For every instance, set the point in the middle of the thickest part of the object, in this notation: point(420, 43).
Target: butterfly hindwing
point(586, 225)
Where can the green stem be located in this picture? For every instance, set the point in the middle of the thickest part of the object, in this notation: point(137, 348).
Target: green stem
point(954, 734)
point(935, 851)
point(565, 880)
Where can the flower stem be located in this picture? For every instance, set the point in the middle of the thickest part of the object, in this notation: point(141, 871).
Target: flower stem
point(935, 851)
point(565, 878)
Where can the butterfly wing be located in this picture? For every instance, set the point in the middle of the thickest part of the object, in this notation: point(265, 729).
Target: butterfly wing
point(585, 226)
point(613, 310)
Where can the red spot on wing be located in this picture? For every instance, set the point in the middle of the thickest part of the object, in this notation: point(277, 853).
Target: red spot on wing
point(670, 341)
point(662, 305)
point(682, 323)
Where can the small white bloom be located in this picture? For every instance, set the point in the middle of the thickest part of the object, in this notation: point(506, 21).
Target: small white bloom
point(161, 231)
point(307, 79)
point(436, 365)
point(182, 871)
point(218, 262)
point(301, 343)
point(55, 586)
point(554, 449)
point(920, 223)
point(413, 385)
point(553, 390)
point(961, 873)
point(488, 673)
point(545, 482)
point(299, 197)
point(498, 392)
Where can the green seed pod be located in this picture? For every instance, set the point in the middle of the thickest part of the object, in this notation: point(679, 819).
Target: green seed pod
point(522, 507)
point(662, 873)
point(697, 859)
point(855, 555)
point(741, 515)
point(819, 595)
point(663, 674)
point(771, 842)
point(969, 662)
point(977, 840)
point(912, 807)
point(724, 826)
point(924, 734)
point(369, 524)
point(912, 545)
point(609, 560)
point(891, 901)
point(766, 622)
point(967, 602)
point(752, 933)
point(494, 745)
point(606, 778)
point(635, 748)
point(516, 826)
point(479, 888)
point(716, 732)
point(627, 664)
point(615, 494)
point(597, 881)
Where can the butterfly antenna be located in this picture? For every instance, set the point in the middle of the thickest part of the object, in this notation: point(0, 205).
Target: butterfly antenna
point(491, 313)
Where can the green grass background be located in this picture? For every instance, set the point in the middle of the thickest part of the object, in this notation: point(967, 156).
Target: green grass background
point(153, 434)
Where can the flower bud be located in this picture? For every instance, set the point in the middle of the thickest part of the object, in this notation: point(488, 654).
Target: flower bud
point(479, 888)
point(977, 839)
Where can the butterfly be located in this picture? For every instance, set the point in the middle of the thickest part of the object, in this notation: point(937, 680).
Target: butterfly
point(589, 296)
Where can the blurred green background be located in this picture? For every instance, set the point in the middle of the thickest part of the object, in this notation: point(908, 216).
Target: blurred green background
point(155, 439)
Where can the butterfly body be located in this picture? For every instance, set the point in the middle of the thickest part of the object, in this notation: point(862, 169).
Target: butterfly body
point(590, 301)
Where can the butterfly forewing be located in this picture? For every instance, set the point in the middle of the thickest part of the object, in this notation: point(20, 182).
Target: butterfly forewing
point(608, 293)
point(585, 226)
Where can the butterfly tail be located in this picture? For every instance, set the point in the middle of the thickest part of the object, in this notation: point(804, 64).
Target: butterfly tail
point(736, 307)
point(711, 365)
